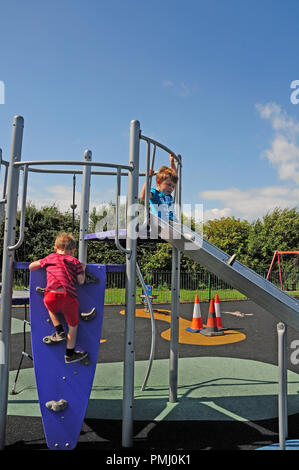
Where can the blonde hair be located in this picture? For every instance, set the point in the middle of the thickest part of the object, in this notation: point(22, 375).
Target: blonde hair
point(65, 242)
point(165, 172)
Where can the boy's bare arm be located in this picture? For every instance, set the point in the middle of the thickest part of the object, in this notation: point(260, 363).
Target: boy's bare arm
point(34, 265)
point(172, 163)
point(81, 277)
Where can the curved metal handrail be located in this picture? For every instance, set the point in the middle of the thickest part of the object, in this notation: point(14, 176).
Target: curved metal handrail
point(162, 146)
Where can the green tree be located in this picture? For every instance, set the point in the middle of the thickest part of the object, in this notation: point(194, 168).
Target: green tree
point(229, 234)
point(278, 230)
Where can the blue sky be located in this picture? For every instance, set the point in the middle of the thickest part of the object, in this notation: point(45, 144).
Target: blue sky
point(209, 79)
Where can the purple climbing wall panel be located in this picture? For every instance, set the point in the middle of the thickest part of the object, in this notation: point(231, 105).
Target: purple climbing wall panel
point(56, 380)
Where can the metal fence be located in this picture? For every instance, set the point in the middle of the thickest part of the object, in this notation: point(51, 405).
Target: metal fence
point(203, 283)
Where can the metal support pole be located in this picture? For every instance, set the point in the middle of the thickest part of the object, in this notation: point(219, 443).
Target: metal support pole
point(7, 269)
point(282, 385)
point(84, 209)
point(131, 245)
point(175, 302)
point(173, 358)
point(147, 187)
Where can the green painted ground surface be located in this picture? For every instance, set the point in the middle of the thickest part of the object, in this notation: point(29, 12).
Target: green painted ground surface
point(210, 388)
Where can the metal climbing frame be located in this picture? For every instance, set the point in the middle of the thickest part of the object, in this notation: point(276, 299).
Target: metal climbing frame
point(10, 245)
point(10, 197)
point(208, 254)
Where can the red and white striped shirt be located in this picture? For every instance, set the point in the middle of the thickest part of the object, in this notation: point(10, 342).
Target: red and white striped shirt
point(62, 271)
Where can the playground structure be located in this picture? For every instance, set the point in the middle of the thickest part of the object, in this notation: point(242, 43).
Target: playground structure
point(278, 253)
point(271, 298)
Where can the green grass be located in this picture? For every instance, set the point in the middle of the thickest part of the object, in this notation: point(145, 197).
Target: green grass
point(117, 296)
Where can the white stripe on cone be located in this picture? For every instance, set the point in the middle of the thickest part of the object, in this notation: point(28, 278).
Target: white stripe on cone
point(218, 311)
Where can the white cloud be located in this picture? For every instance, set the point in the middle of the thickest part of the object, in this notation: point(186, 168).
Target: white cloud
point(251, 203)
point(283, 155)
point(284, 152)
point(211, 214)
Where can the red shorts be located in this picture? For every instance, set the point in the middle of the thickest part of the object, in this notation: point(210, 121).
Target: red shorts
point(60, 302)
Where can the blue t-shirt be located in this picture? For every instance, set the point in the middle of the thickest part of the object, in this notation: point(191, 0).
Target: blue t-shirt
point(162, 205)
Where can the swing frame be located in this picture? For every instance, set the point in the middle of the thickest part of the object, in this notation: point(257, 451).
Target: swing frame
point(278, 253)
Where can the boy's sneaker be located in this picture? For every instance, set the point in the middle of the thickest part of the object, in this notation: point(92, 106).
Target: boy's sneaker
point(76, 357)
point(54, 338)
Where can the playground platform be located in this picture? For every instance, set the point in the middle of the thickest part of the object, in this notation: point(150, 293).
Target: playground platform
point(227, 393)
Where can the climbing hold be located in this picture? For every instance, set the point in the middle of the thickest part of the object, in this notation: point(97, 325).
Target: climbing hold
point(90, 278)
point(89, 315)
point(40, 290)
point(57, 405)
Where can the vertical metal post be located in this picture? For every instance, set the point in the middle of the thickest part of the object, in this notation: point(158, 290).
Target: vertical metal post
point(147, 188)
point(84, 209)
point(132, 220)
point(74, 205)
point(7, 269)
point(174, 325)
point(282, 385)
point(175, 297)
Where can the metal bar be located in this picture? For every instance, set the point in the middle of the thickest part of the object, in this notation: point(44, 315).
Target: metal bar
point(84, 209)
point(275, 253)
point(5, 182)
point(117, 243)
point(23, 211)
point(7, 269)
point(78, 172)
point(147, 188)
point(153, 157)
point(175, 299)
point(153, 326)
point(6, 164)
point(152, 163)
point(161, 146)
point(128, 387)
point(72, 162)
point(282, 385)
point(279, 267)
point(174, 324)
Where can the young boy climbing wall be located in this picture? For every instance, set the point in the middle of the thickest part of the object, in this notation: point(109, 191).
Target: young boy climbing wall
point(64, 271)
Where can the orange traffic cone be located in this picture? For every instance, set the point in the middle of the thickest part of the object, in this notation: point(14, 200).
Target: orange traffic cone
point(196, 324)
point(211, 329)
point(218, 312)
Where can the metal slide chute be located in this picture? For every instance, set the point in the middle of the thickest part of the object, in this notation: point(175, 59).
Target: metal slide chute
point(248, 282)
